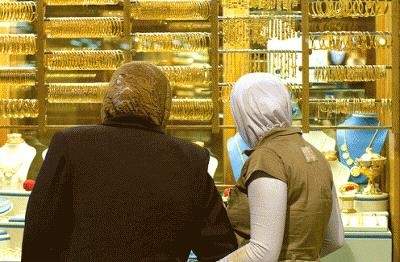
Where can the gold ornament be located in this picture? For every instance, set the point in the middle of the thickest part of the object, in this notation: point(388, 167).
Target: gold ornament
point(355, 171)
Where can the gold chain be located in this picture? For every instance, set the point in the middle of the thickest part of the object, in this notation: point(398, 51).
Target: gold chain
point(355, 170)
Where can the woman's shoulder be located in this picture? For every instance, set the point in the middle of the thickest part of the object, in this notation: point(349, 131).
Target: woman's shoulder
point(77, 130)
point(266, 160)
point(263, 152)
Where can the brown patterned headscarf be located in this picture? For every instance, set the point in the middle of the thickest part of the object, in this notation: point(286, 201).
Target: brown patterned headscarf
point(141, 90)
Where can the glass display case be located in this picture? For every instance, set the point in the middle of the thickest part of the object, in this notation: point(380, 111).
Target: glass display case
point(339, 59)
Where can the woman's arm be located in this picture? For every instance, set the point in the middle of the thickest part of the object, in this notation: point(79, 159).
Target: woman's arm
point(268, 202)
point(334, 235)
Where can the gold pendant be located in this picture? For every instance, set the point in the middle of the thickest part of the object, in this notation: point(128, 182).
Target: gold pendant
point(355, 171)
point(345, 155)
point(343, 147)
point(349, 161)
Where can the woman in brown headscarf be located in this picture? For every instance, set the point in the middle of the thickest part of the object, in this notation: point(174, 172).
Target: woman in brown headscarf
point(124, 190)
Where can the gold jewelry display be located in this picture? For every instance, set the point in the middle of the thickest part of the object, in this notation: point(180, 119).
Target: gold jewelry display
point(281, 27)
point(237, 65)
point(187, 74)
point(295, 90)
point(225, 93)
point(258, 29)
point(239, 4)
point(337, 24)
point(355, 170)
point(19, 108)
point(350, 40)
point(76, 92)
point(81, 2)
point(71, 27)
point(356, 73)
point(226, 88)
point(17, 76)
point(347, 8)
point(258, 62)
point(171, 10)
point(176, 42)
point(234, 30)
point(184, 26)
point(55, 77)
point(84, 59)
point(278, 5)
point(17, 43)
point(283, 63)
point(188, 109)
point(23, 11)
point(352, 106)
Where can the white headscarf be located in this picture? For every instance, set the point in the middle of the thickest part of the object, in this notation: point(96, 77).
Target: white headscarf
point(260, 102)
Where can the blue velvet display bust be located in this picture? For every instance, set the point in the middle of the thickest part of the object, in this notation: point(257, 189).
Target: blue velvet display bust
point(352, 143)
point(236, 146)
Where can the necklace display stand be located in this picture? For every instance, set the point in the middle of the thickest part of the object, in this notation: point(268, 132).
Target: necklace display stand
point(236, 146)
point(15, 159)
point(352, 143)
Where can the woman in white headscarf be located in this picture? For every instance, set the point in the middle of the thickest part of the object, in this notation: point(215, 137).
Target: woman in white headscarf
point(294, 214)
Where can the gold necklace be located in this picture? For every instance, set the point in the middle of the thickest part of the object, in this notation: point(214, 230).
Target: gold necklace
point(355, 170)
point(239, 150)
point(9, 171)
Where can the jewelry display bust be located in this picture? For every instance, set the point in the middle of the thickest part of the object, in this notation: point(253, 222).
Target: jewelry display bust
point(15, 158)
point(327, 145)
point(353, 143)
point(236, 146)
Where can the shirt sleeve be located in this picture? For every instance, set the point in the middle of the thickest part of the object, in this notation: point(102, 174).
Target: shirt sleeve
point(267, 221)
point(215, 237)
point(48, 220)
point(268, 162)
point(334, 235)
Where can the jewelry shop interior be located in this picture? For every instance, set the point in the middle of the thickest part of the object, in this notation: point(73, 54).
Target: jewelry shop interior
point(338, 58)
